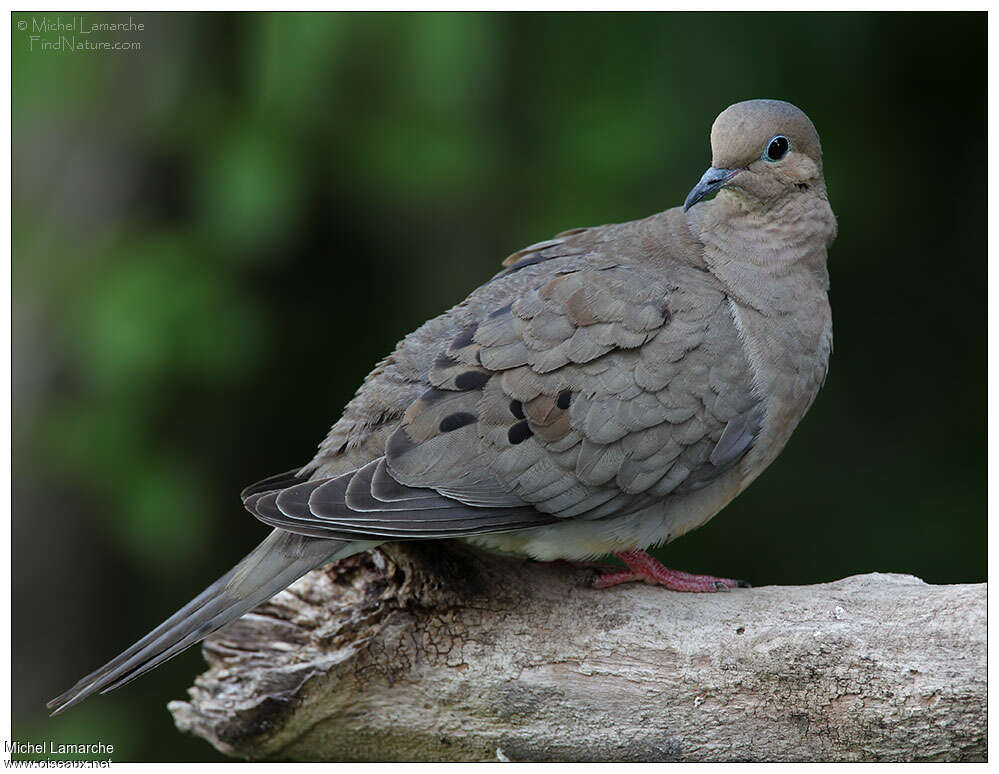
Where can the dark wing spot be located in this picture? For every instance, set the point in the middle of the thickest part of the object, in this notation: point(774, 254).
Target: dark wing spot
point(564, 399)
point(519, 432)
point(464, 338)
point(398, 444)
point(471, 380)
point(456, 420)
point(529, 261)
point(501, 311)
point(444, 360)
point(517, 409)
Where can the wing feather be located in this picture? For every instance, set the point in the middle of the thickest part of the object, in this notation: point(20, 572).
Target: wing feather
point(594, 393)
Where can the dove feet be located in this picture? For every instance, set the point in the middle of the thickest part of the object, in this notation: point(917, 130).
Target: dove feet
point(645, 568)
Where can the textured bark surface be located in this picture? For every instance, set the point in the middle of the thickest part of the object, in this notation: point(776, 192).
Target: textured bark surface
point(439, 654)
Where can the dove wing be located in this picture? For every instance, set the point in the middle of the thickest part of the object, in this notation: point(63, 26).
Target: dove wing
point(592, 395)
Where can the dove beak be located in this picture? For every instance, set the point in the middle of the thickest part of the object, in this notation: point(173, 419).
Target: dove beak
point(711, 181)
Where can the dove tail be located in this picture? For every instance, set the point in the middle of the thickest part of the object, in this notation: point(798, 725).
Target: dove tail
point(280, 560)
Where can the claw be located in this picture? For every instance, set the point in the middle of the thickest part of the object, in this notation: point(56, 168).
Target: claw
point(642, 567)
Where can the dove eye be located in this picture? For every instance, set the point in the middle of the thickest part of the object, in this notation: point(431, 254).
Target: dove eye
point(777, 148)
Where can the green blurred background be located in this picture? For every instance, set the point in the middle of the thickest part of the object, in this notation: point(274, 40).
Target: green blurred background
point(217, 236)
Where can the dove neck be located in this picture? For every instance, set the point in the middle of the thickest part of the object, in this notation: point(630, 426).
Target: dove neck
point(771, 262)
point(766, 255)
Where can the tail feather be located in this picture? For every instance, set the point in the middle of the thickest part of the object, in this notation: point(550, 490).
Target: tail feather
point(276, 563)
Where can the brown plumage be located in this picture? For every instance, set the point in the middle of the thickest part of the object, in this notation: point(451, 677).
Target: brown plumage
point(610, 389)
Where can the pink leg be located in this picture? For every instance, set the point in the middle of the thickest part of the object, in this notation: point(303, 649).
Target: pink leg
point(642, 567)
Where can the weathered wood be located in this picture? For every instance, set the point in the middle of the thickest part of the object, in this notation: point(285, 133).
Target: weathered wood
point(441, 654)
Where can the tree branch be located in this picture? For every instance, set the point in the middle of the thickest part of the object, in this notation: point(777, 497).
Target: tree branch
point(427, 652)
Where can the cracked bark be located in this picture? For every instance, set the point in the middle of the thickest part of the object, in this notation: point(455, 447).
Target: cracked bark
point(432, 653)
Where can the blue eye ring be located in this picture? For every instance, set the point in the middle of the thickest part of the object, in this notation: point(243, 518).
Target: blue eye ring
point(777, 148)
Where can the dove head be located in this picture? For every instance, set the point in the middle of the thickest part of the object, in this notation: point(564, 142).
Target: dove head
point(764, 149)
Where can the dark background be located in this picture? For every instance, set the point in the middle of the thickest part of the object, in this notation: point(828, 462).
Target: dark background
point(216, 237)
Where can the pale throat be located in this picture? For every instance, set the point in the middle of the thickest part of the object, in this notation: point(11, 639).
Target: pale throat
point(765, 256)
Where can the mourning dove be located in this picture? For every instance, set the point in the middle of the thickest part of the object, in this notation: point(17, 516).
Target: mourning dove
point(609, 390)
